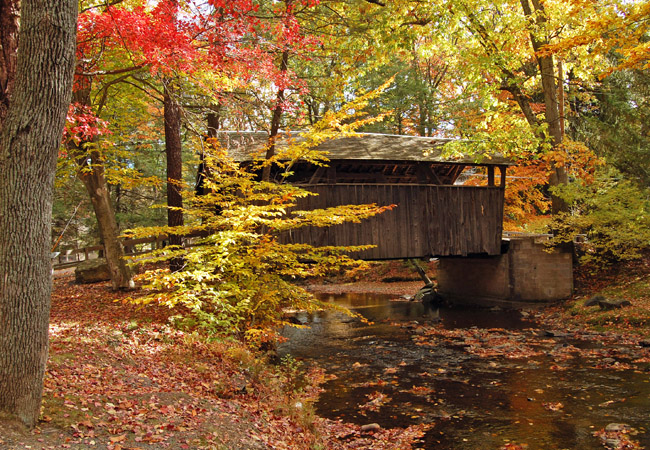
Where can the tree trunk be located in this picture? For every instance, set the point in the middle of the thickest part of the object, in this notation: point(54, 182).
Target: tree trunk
point(558, 176)
point(172, 113)
point(275, 120)
point(203, 171)
point(97, 188)
point(91, 173)
point(35, 98)
point(9, 19)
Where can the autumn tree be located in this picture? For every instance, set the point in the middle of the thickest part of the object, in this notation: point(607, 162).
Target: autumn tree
point(36, 66)
point(166, 48)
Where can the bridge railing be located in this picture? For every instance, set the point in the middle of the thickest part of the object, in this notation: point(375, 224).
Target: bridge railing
point(73, 256)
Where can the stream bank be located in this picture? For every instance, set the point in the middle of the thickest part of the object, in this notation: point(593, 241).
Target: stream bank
point(479, 378)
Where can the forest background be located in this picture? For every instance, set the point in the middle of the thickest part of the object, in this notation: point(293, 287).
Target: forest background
point(559, 87)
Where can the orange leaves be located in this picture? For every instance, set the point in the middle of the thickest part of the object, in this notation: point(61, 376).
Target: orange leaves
point(581, 162)
point(121, 378)
point(376, 400)
point(553, 406)
point(524, 200)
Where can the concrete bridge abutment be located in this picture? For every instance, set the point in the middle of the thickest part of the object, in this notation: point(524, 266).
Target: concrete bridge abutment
point(526, 272)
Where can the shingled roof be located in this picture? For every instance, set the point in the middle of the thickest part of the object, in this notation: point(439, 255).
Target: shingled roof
point(364, 146)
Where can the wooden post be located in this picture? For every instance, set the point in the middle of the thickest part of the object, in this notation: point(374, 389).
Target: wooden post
point(490, 171)
point(421, 272)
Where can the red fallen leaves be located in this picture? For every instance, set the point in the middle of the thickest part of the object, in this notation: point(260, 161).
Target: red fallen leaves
point(485, 343)
point(551, 406)
point(513, 446)
point(421, 390)
point(617, 436)
point(376, 400)
point(119, 377)
point(615, 352)
point(343, 436)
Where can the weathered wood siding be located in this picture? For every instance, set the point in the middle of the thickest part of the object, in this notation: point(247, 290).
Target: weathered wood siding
point(428, 220)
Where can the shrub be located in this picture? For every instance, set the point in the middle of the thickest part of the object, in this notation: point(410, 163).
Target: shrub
point(612, 213)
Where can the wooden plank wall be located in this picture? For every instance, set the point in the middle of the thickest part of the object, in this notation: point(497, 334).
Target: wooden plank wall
point(428, 220)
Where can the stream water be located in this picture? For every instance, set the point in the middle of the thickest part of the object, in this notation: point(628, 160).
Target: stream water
point(483, 379)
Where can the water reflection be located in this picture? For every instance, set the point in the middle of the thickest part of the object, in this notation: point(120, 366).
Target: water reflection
point(473, 402)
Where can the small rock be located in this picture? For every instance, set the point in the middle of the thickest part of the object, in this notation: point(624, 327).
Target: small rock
point(92, 271)
point(370, 427)
point(606, 303)
point(613, 443)
point(556, 334)
point(613, 304)
point(616, 427)
point(551, 333)
point(595, 300)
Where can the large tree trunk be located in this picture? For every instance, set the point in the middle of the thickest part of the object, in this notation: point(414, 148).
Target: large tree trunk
point(9, 19)
point(35, 100)
point(537, 15)
point(172, 113)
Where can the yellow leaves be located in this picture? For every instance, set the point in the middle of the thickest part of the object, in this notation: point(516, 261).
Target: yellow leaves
point(617, 26)
point(235, 279)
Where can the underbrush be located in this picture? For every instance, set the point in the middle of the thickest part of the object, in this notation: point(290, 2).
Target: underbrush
point(626, 281)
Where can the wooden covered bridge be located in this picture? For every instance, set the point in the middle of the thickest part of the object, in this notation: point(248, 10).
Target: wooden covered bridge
point(436, 214)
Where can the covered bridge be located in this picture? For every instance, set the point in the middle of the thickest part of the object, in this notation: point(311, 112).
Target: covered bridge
point(436, 214)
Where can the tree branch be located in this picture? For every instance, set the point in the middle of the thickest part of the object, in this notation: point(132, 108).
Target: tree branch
point(111, 72)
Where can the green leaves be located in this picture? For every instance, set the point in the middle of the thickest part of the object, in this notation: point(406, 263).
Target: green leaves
point(612, 213)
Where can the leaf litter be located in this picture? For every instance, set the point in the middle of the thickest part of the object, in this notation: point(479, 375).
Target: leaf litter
point(120, 377)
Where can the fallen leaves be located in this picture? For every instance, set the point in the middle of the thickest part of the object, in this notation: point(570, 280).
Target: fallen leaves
point(618, 436)
point(120, 377)
point(375, 401)
point(553, 406)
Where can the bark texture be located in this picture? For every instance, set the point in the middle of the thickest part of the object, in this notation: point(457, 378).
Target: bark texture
point(35, 98)
point(173, 148)
point(9, 18)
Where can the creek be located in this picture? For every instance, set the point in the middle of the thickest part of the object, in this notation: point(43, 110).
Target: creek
point(482, 379)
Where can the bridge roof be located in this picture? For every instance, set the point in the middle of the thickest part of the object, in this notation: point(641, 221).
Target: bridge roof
point(362, 147)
